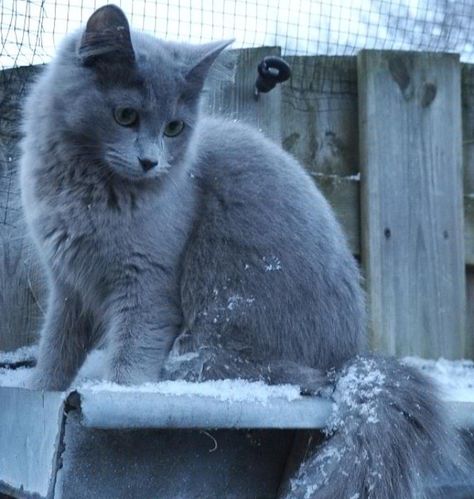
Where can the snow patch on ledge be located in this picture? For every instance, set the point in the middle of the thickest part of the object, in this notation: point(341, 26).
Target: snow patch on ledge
point(17, 378)
point(23, 354)
point(237, 390)
point(454, 377)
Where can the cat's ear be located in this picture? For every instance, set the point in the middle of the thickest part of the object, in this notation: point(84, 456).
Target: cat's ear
point(206, 55)
point(106, 38)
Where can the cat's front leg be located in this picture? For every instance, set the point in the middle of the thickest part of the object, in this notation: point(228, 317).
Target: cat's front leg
point(139, 337)
point(64, 342)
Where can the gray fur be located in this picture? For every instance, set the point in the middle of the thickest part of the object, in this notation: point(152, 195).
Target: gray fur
point(388, 437)
point(222, 261)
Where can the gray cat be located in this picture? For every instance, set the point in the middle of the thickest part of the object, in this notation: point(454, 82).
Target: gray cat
point(195, 248)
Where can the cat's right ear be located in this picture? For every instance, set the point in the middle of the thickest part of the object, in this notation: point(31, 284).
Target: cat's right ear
point(203, 56)
point(106, 38)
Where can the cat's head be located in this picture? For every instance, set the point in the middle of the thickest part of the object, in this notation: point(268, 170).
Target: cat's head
point(127, 100)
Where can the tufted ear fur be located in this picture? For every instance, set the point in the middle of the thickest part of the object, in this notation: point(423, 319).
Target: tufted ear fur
point(206, 55)
point(106, 38)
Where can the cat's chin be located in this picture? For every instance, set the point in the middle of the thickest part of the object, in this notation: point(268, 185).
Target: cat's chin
point(140, 177)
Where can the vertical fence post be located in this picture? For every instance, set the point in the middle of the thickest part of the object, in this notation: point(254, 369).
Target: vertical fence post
point(467, 76)
point(412, 201)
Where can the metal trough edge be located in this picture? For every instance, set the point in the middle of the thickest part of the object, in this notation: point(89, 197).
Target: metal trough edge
point(119, 410)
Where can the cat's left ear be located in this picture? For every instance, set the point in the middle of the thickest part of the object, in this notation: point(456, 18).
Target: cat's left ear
point(106, 37)
point(205, 57)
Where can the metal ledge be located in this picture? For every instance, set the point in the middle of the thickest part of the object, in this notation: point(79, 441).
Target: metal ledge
point(59, 444)
point(118, 410)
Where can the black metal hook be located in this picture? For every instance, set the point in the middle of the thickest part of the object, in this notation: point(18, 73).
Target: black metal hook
point(271, 70)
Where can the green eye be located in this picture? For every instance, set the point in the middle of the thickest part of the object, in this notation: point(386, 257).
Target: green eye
point(174, 128)
point(125, 116)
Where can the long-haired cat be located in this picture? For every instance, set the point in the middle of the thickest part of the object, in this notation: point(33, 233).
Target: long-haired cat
point(195, 248)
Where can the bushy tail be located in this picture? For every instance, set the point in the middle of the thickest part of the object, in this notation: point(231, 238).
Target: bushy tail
point(388, 434)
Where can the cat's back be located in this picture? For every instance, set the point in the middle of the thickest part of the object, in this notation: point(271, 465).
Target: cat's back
point(232, 148)
point(240, 167)
point(264, 226)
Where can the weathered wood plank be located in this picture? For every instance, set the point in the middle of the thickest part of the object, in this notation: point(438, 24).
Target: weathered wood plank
point(319, 115)
point(411, 182)
point(469, 346)
point(230, 91)
point(319, 107)
point(467, 94)
point(343, 194)
point(20, 282)
point(469, 228)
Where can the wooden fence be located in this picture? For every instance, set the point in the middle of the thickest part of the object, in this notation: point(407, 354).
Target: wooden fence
point(389, 139)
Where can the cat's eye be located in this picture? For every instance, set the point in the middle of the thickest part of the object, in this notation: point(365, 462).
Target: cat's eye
point(125, 116)
point(174, 128)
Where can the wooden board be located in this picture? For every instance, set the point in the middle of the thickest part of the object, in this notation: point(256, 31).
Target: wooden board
point(319, 126)
point(343, 194)
point(320, 114)
point(467, 95)
point(412, 203)
point(230, 91)
point(469, 347)
point(469, 228)
point(21, 292)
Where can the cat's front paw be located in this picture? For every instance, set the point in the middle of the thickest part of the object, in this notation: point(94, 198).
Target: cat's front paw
point(128, 376)
point(39, 380)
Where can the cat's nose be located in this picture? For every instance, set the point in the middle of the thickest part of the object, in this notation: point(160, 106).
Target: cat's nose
point(148, 163)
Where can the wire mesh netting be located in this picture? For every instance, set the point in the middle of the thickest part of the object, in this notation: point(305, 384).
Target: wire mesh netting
point(31, 29)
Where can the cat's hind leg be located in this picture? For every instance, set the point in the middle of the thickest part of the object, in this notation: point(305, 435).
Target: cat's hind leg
point(211, 362)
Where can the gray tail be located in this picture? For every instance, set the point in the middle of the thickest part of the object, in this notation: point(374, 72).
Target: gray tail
point(389, 434)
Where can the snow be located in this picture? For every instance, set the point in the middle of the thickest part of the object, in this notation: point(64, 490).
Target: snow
point(455, 377)
point(337, 178)
point(235, 301)
point(15, 377)
point(91, 373)
point(272, 263)
point(225, 390)
point(357, 390)
point(23, 354)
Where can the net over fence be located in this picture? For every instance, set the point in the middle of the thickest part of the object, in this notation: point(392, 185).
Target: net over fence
point(31, 29)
